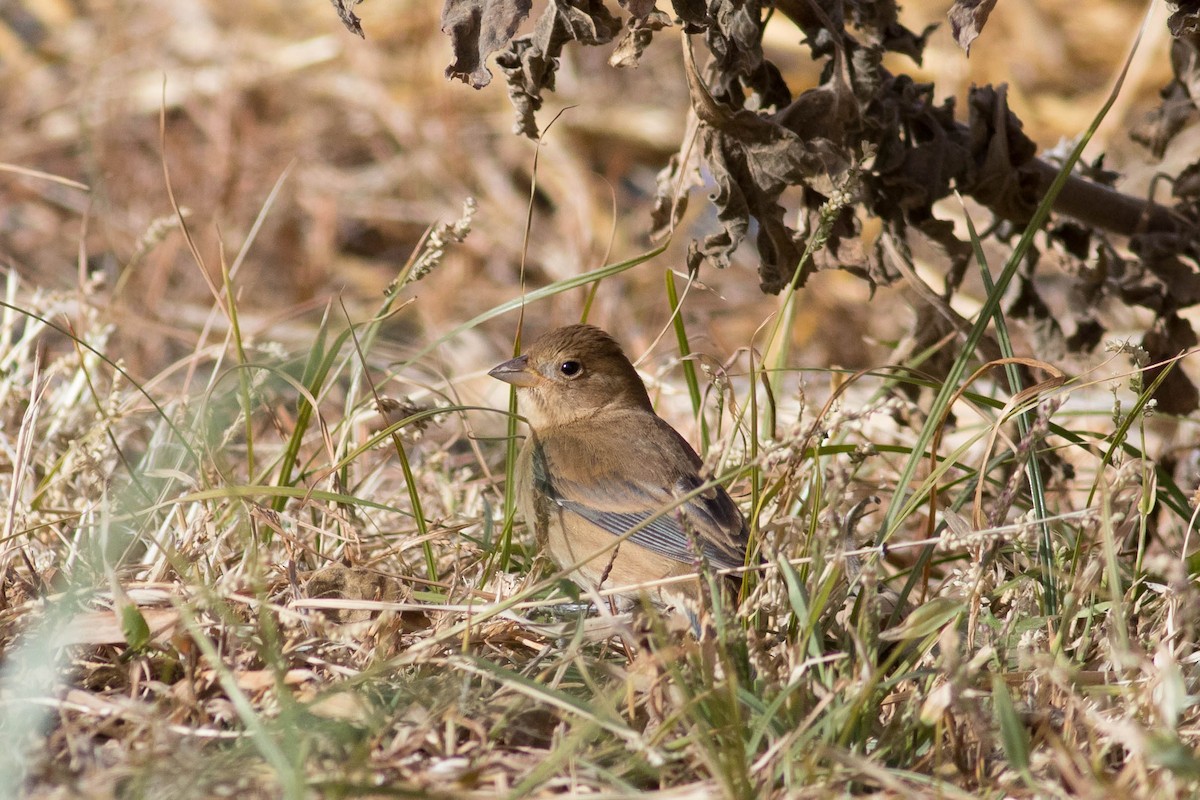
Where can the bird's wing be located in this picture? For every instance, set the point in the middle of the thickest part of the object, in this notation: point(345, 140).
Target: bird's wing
point(617, 484)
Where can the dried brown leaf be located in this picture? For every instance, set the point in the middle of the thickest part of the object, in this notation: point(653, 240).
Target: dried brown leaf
point(639, 30)
point(345, 12)
point(921, 149)
point(967, 18)
point(530, 62)
point(639, 8)
point(1187, 183)
point(753, 160)
point(671, 192)
point(1184, 20)
point(478, 28)
point(1160, 125)
point(1170, 336)
point(999, 148)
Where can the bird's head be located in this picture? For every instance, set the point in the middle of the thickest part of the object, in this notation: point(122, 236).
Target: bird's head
point(572, 373)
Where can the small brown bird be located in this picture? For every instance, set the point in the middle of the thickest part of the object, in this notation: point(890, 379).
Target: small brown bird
point(599, 462)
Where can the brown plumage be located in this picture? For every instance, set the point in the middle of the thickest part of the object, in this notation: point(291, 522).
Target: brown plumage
point(599, 461)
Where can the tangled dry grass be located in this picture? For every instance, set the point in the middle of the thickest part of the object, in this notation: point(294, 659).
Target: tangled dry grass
point(257, 540)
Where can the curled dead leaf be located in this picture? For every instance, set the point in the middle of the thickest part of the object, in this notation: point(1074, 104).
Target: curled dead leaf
point(478, 28)
point(967, 18)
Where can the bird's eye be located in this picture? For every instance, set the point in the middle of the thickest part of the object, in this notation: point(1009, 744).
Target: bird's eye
point(570, 368)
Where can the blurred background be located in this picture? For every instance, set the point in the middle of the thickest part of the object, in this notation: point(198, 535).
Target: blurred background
point(370, 145)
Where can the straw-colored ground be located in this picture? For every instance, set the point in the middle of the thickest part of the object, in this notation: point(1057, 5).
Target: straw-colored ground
point(225, 571)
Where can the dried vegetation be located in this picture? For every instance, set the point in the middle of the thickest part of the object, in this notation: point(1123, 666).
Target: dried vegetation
point(257, 540)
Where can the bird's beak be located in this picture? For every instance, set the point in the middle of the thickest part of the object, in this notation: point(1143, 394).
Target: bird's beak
point(515, 371)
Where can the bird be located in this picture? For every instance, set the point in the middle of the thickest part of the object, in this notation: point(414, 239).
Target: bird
point(599, 462)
